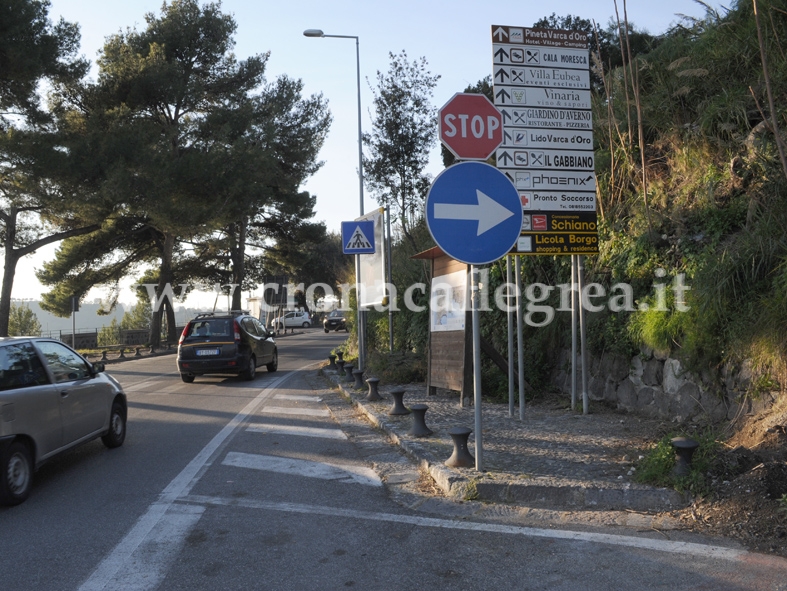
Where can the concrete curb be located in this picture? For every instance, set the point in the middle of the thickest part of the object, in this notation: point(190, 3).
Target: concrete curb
point(540, 492)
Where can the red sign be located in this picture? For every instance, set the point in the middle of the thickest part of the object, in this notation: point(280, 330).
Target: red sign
point(539, 222)
point(471, 126)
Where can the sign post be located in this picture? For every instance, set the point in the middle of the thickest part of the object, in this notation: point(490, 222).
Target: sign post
point(474, 214)
point(542, 88)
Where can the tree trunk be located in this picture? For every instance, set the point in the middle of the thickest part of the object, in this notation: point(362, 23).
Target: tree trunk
point(238, 258)
point(167, 246)
point(9, 270)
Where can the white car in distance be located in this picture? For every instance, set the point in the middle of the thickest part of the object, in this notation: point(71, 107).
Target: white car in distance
point(292, 320)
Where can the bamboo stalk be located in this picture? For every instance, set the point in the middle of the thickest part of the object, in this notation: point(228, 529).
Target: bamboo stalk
point(771, 104)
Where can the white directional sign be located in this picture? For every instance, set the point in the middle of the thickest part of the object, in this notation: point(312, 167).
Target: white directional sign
point(542, 90)
point(544, 159)
point(548, 77)
point(553, 98)
point(557, 201)
point(543, 56)
point(548, 138)
point(514, 117)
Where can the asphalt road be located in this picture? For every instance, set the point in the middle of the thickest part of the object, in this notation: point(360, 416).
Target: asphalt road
point(225, 484)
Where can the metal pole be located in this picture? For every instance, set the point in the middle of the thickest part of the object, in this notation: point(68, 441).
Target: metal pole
point(73, 326)
point(510, 315)
point(360, 316)
point(479, 446)
point(574, 312)
point(390, 281)
point(581, 283)
point(519, 340)
point(361, 313)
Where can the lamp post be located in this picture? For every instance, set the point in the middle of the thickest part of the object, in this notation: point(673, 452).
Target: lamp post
point(360, 317)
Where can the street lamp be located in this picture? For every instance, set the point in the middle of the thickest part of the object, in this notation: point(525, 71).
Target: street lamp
point(360, 318)
point(319, 33)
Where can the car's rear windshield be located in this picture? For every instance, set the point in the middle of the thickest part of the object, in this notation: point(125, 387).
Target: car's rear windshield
point(211, 327)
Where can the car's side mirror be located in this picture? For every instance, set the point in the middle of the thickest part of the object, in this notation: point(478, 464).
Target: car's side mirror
point(98, 368)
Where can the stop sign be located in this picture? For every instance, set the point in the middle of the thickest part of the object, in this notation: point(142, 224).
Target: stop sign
point(471, 126)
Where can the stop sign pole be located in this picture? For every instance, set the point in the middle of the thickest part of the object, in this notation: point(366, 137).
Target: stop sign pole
point(471, 127)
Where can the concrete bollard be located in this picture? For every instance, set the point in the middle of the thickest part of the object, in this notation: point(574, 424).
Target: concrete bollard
point(373, 395)
point(341, 355)
point(122, 354)
point(419, 428)
point(137, 352)
point(332, 364)
point(358, 377)
point(461, 457)
point(398, 407)
point(103, 355)
point(340, 365)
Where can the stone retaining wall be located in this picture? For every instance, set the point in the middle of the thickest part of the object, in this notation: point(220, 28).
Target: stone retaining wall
point(658, 386)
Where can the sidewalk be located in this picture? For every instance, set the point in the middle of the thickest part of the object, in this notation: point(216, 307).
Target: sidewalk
point(553, 459)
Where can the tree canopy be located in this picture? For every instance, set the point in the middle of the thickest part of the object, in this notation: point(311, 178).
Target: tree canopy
point(195, 149)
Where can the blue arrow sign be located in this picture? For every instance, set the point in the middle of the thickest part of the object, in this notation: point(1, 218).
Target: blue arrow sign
point(474, 213)
point(358, 237)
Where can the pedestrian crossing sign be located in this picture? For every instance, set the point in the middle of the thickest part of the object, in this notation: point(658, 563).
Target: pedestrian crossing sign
point(358, 237)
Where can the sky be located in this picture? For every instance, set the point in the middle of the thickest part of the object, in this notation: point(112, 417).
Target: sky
point(453, 35)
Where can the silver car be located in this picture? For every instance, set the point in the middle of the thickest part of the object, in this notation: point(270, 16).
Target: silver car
point(51, 399)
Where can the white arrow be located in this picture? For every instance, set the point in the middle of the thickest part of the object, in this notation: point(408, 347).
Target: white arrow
point(488, 213)
point(501, 33)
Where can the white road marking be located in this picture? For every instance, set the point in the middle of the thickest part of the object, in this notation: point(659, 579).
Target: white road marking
point(151, 557)
point(106, 574)
point(339, 472)
point(297, 397)
point(297, 430)
point(656, 544)
point(149, 385)
point(305, 412)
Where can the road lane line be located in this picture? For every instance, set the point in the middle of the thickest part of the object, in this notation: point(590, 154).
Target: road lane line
point(656, 544)
point(304, 412)
point(154, 554)
point(297, 397)
point(346, 473)
point(297, 430)
point(106, 574)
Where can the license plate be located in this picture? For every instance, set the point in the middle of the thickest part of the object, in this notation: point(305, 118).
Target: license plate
point(205, 352)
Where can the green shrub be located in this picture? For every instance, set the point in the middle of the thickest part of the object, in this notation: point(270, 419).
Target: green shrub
point(656, 466)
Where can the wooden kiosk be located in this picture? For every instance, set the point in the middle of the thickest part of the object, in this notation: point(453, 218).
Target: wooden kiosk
point(450, 348)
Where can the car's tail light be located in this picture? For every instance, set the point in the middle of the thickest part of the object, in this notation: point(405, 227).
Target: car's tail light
point(185, 333)
point(237, 331)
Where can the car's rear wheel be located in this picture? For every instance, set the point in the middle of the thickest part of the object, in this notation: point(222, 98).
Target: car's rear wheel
point(188, 378)
point(274, 364)
point(326, 330)
point(305, 325)
point(117, 427)
point(16, 473)
point(251, 369)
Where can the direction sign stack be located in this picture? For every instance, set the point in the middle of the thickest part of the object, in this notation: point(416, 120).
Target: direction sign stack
point(542, 89)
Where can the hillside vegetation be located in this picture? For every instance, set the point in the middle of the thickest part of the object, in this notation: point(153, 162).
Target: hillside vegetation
point(690, 182)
